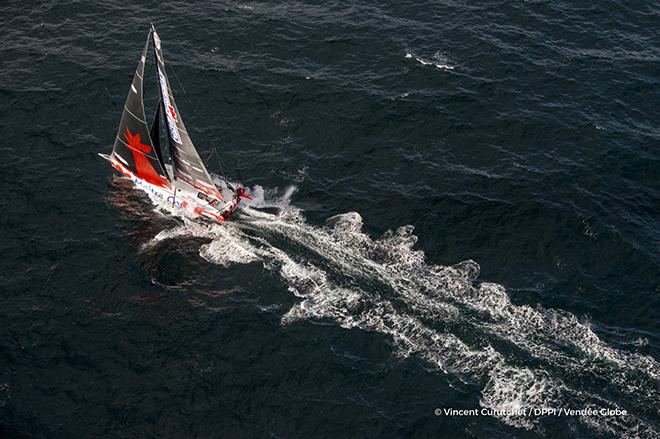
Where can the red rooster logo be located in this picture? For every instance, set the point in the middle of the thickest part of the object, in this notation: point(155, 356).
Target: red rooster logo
point(135, 142)
point(143, 166)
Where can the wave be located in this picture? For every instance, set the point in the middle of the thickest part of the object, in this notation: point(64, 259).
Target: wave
point(522, 356)
point(439, 61)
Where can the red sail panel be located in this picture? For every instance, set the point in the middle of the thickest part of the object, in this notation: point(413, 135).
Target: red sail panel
point(133, 146)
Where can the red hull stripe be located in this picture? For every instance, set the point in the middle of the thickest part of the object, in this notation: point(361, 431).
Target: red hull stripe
point(200, 211)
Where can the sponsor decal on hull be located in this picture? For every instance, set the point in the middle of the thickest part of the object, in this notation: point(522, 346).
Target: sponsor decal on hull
point(162, 195)
point(169, 198)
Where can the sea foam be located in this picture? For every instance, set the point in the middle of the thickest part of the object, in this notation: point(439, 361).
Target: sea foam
point(440, 314)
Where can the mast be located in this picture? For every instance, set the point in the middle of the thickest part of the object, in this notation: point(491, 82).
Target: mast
point(133, 146)
point(186, 163)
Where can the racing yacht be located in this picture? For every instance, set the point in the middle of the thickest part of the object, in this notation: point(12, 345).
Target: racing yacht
point(185, 184)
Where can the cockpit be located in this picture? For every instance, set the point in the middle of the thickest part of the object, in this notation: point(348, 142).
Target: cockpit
point(203, 196)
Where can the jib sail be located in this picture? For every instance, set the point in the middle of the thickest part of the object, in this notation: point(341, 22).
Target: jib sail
point(155, 133)
point(133, 146)
point(186, 163)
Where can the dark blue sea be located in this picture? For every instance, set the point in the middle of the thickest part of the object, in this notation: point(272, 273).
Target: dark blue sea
point(456, 207)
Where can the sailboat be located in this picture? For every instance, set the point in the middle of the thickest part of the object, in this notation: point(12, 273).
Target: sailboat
point(185, 184)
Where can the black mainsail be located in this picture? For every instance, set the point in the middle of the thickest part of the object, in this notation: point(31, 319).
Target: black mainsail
point(133, 146)
point(186, 163)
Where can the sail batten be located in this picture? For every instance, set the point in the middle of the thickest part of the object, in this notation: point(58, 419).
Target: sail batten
point(186, 162)
point(133, 145)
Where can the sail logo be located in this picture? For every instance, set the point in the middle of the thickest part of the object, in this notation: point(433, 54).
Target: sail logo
point(135, 142)
point(169, 115)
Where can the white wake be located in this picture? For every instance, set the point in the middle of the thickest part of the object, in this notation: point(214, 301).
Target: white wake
point(439, 314)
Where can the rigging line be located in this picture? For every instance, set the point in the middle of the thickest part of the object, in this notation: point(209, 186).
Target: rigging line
point(181, 85)
point(224, 177)
point(214, 152)
point(190, 102)
point(217, 159)
point(207, 158)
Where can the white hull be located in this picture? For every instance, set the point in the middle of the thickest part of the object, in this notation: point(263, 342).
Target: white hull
point(180, 196)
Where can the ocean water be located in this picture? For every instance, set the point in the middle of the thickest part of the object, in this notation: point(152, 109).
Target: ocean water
point(457, 205)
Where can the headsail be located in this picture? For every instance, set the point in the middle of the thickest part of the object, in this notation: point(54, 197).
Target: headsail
point(133, 146)
point(155, 133)
point(187, 164)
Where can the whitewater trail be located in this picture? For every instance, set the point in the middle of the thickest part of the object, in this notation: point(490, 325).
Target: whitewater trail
point(440, 314)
